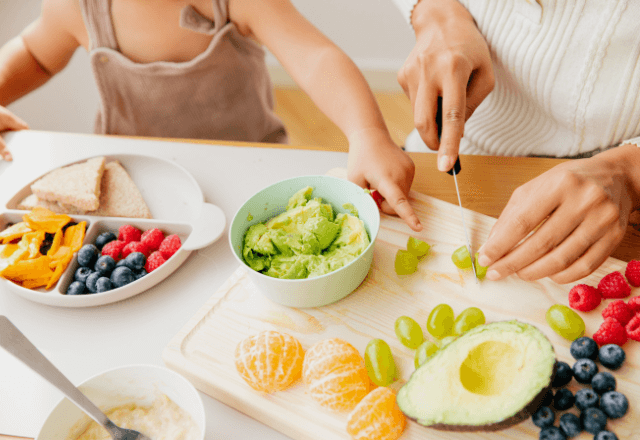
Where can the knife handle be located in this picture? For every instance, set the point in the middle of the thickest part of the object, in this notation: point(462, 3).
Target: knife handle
point(456, 167)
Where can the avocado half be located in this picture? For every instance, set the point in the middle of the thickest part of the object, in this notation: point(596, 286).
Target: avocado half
point(490, 378)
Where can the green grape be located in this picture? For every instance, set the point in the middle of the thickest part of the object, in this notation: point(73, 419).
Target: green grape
point(408, 332)
point(440, 321)
point(379, 362)
point(406, 263)
point(446, 341)
point(461, 257)
point(424, 352)
point(481, 271)
point(468, 319)
point(565, 322)
point(418, 247)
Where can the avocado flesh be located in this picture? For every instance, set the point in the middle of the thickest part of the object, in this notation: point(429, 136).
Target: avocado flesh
point(489, 378)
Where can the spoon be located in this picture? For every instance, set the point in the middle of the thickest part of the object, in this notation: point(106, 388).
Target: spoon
point(12, 340)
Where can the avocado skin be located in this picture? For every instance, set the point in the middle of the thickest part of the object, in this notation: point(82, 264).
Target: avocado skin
point(525, 413)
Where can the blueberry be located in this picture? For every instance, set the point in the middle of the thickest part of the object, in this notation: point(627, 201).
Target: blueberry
point(543, 417)
point(105, 238)
point(593, 420)
point(82, 273)
point(91, 282)
point(120, 263)
point(563, 375)
point(135, 261)
point(605, 435)
point(603, 382)
point(584, 370)
point(548, 398)
point(611, 356)
point(552, 433)
point(103, 284)
point(139, 274)
point(76, 288)
point(87, 255)
point(122, 276)
point(614, 404)
point(563, 399)
point(586, 398)
point(105, 264)
point(584, 347)
point(570, 424)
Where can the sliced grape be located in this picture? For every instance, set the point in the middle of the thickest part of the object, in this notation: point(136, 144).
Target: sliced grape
point(406, 263)
point(418, 247)
point(481, 271)
point(409, 332)
point(461, 258)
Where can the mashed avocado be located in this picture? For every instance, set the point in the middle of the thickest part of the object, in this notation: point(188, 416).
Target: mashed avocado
point(307, 240)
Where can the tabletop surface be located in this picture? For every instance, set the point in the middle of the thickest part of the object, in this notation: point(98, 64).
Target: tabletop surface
point(84, 342)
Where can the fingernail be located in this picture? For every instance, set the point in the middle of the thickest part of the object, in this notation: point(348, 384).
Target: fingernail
point(444, 163)
point(492, 274)
point(483, 260)
point(418, 225)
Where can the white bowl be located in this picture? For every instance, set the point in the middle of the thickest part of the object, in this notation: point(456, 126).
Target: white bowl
point(138, 384)
point(324, 289)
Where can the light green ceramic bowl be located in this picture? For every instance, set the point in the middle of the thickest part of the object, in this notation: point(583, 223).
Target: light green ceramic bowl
point(324, 289)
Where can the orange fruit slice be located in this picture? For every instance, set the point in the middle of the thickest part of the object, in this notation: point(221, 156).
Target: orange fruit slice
point(269, 360)
point(335, 375)
point(376, 417)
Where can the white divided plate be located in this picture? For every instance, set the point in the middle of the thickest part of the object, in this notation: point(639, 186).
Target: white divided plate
point(177, 206)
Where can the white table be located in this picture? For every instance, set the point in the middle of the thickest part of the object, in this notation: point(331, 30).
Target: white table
point(83, 342)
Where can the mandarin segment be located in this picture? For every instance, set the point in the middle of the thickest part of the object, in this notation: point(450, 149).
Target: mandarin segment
point(376, 417)
point(335, 374)
point(269, 360)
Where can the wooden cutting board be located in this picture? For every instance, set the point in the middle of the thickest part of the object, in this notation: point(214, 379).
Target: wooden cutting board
point(203, 350)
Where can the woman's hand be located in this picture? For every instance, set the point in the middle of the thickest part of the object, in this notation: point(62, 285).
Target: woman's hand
point(566, 222)
point(376, 162)
point(450, 59)
point(9, 121)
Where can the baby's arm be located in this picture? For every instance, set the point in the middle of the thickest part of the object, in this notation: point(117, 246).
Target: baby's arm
point(30, 59)
point(338, 88)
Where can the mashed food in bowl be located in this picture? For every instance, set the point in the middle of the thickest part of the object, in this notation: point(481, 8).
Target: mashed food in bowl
point(163, 420)
point(307, 240)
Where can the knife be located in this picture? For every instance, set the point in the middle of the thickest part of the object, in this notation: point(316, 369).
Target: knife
point(454, 172)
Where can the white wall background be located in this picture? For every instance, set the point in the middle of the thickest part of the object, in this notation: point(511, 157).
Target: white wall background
point(371, 32)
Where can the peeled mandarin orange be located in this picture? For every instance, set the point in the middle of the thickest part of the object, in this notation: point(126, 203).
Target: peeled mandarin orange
point(335, 374)
point(269, 361)
point(376, 417)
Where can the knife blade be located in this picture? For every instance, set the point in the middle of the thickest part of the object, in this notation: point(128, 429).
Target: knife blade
point(454, 172)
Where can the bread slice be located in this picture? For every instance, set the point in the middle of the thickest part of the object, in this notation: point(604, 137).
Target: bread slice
point(31, 201)
point(76, 185)
point(120, 197)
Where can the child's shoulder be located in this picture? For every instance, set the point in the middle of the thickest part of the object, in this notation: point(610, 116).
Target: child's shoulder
point(67, 15)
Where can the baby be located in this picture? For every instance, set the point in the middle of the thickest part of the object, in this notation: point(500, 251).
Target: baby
point(196, 69)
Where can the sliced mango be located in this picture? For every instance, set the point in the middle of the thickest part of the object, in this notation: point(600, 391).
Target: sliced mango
point(42, 219)
point(14, 231)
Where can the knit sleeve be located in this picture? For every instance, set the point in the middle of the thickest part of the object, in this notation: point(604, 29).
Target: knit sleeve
point(635, 141)
point(406, 8)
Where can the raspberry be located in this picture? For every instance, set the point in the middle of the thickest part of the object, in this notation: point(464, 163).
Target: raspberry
point(618, 310)
point(584, 298)
point(614, 285)
point(610, 332)
point(135, 246)
point(154, 261)
point(633, 328)
point(114, 249)
point(152, 238)
point(634, 304)
point(128, 233)
point(632, 272)
point(170, 245)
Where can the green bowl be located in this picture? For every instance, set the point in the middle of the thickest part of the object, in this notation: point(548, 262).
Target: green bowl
point(321, 290)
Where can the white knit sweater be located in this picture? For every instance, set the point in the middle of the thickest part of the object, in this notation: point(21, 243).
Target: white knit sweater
point(567, 76)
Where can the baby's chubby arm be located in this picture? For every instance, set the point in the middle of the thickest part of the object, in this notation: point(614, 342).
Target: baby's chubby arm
point(28, 60)
point(338, 88)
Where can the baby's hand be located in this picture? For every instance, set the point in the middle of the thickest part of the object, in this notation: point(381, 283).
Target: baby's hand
point(376, 162)
point(9, 121)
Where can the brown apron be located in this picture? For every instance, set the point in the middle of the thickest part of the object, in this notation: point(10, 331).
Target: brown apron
point(224, 93)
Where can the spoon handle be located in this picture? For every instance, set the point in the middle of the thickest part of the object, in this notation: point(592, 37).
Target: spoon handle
point(12, 340)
